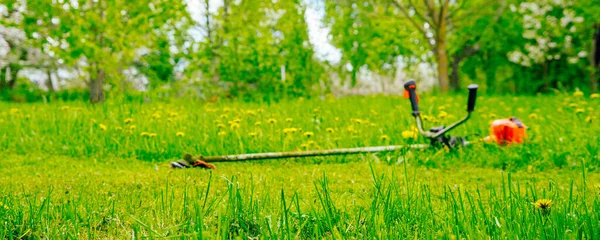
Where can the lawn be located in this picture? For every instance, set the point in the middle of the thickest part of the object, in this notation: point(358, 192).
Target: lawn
point(72, 170)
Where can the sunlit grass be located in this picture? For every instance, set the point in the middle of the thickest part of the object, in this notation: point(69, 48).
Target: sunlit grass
point(77, 171)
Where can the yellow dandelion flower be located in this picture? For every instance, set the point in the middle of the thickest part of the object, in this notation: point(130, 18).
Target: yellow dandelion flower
point(385, 137)
point(156, 115)
point(237, 120)
point(543, 204)
point(304, 145)
point(152, 135)
point(220, 125)
point(119, 128)
point(573, 105)
point(64, 108)
point(251, 112)
point(102, 127)
point(443, 114)
point(337, 119)
point(173, 114)
point(425, 117)
point(289, 130)
point(578, 93)
point(359, 121)
point(442, 108)
point(590, 119)
point(329, 130)
point(533, 116)
point(409, 134)
point(128, 120)
point(223, 116)
point(272, 120)
point(234, 126)
point(94, 120)
point(288, 120)
point(595, 95)
point(336, 139)
point(145, 134)
point(180, 134)
point(309, 134)
point(257, 123)
point(132, 127)
point(260, 110)
point(492, 116)
point(14, 111)
point(311, 143)
point(252, 134)
point(579, 110)
point(350, 129)
point(221, 133)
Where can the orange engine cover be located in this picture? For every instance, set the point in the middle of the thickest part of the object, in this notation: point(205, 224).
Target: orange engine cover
point(510, 130)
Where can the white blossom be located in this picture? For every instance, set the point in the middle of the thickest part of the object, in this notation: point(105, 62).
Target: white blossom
point(572, 60)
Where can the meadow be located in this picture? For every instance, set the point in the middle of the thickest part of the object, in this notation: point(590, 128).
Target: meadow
point(74, 170)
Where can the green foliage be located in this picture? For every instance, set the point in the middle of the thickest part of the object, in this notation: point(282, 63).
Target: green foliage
point(102, 37)
point(247, 48)
point(253, 41)
point(371, 36)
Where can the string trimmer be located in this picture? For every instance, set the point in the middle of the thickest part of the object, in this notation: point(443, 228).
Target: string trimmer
point(437, 135)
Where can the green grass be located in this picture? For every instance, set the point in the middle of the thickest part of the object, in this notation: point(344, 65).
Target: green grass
point(77, 171)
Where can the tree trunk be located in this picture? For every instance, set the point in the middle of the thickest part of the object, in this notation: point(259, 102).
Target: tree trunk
point(2, 78)
point(454, 81)
point(96, 91)
point(546, 76)
point(49, 84)
point(595, 57)
point(14, 70)
point(441, 55)
point(466, 52)
point(441, 51)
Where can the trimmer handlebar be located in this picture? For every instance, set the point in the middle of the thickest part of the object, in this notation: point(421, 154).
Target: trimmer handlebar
point(410, 88)
point(437, 134)
point(472, 97)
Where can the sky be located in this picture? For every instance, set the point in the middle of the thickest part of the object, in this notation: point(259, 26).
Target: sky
point(314, 15)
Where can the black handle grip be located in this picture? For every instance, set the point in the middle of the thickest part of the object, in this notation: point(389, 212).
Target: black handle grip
point(410, 87)
point(472, 97)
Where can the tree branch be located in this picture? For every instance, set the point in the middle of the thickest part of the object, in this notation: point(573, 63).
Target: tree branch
point(467, 52)
point(421, 16)
point(442, 14)
point(414, 23)
point(470, 12)
point(431, 11)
